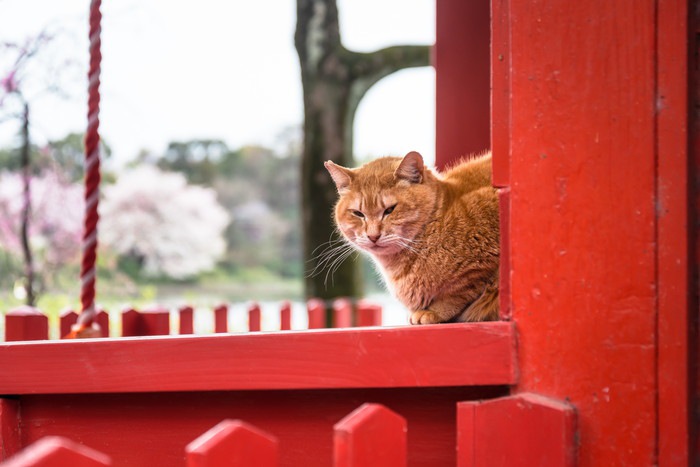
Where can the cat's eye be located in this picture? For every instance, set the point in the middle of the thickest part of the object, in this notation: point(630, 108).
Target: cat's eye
point(389, 210)
point(358, 214)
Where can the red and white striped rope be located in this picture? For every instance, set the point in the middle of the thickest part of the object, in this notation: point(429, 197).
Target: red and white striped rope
point(92, 176)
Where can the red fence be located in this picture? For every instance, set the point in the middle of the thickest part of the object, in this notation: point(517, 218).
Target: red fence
point(27, 323)
point(523, 430)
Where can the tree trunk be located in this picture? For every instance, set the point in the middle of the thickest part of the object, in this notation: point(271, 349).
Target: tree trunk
point(334, 81)
point(26, 210)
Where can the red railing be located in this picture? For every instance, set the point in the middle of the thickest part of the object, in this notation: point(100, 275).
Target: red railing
point(521, 430)
point(27, 323)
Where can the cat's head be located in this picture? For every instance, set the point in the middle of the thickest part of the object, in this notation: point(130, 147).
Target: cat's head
point(384, 204)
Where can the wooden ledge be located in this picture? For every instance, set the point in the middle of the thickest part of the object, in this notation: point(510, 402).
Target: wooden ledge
point(438, 355)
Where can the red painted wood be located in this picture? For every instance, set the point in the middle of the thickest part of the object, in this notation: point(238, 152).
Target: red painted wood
point(583, 217)
point(254, 317)
point(674, 280)
point(462, 80)
point(500, 93)
point(342, 313)
point(370, 435)
point(10, 439)
point(317, 313)
point(286, 316)
point(26, 324)
point(522, 430)
point(55, 451)
point(368, 314)
point(221, 319)
point(505, 265)
point(694, 126)
point(233, 442)
point(154, 321)
point(390, 357)
point(186, 319)
point(69, 317)
point(152, 429)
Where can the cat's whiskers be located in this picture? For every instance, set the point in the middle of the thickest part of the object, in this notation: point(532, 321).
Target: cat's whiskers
point(334, 249)
point(336, 264)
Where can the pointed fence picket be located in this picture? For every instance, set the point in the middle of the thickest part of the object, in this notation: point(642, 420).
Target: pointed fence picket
point(55, 451)
point(27, 323)
point(233, 442)
point(371, 435)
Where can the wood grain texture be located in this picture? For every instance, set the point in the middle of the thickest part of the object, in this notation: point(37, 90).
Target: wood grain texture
point(441, 355)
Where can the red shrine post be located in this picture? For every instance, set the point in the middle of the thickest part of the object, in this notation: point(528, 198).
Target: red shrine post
point(589, 134)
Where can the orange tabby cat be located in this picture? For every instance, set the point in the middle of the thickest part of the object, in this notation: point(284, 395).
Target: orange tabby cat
point(434, 236)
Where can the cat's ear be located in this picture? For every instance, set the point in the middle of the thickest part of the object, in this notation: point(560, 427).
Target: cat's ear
point(411, 168)
point(340, 175)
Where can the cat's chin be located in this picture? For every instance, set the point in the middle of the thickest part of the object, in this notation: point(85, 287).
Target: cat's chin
point(381, 250)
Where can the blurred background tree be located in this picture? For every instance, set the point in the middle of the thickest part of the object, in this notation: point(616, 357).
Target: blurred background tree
point(334, 80)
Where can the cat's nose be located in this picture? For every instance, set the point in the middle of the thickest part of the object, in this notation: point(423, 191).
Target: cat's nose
point(374, 238)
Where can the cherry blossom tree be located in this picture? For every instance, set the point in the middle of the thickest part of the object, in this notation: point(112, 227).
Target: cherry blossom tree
point(169, 227)
point(54, 228)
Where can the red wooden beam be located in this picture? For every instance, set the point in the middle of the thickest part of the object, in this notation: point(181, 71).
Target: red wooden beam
point(440, 355)
point(371, 435)
point(54, 451)
point(462, 79)
point(517, 431)
point(233, 442)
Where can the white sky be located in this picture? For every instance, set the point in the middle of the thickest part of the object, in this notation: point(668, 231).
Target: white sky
point(175, 70)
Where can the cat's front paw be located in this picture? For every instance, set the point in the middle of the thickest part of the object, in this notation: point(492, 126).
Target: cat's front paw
point(424, 317)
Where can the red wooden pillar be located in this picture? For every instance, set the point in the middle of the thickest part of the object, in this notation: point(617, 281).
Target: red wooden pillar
point(462, 80)
point(597, 177)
